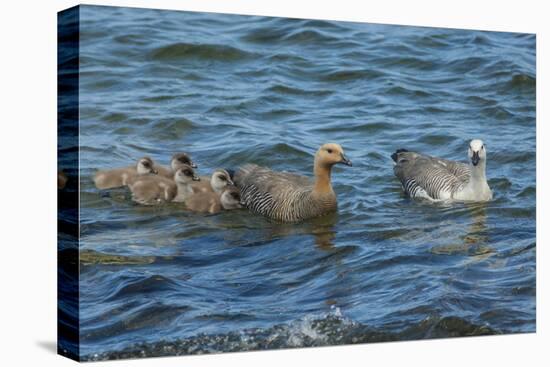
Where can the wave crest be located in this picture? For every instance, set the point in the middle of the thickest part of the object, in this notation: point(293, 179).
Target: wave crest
point(311, 331)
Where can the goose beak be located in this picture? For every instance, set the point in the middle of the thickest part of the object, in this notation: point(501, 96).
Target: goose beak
point(345, 160)
point(475, 158)
point(242, 204)
point(196, 178)
point(230, 183)
point(193, 165)
point(155, 172)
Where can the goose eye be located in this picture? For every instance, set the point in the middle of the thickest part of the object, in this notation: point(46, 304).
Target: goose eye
point(329, 151)
point(223, 178)
point(187, 172)
point(235, 195)
point(145, 164)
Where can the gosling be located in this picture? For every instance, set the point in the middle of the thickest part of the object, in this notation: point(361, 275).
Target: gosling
point(109, 179)
point(151, 190)
point(178, 161)
point(219, 180)
point(213, 202)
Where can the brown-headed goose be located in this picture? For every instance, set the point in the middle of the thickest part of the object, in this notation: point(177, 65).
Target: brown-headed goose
point(288, 197)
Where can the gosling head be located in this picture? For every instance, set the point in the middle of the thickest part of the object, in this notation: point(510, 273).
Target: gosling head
point(145, 166)
point(185, 175)
point(332, 153)
point(220, 180)
point(477, 152)
point(231, 198)
point(180, 159)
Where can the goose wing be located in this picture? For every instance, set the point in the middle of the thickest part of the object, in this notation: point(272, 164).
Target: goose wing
point(267, 180)
point(262, 189)
point(461, 170)
point(429, 177)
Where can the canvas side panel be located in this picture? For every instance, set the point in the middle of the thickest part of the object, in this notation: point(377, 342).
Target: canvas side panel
point(68, 188)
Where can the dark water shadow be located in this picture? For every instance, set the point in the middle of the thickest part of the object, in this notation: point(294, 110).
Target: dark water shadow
point(322, 230)
point(48, 345)
point(474, 241)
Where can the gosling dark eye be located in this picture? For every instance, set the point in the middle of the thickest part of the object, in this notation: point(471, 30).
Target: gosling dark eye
point(483, 147)
point(145, 164)
point(187, 172)
point(329, 151)
point(184, 160)
point(235, 195)
point(223, 178)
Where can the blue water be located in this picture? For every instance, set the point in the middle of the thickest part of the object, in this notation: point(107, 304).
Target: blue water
point(236, 89)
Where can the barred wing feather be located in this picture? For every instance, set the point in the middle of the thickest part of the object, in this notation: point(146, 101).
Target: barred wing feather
point(278, 195)
point(432, 178)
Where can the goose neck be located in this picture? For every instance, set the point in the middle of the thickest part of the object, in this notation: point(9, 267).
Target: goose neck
point(322, 173)
point(478, 172)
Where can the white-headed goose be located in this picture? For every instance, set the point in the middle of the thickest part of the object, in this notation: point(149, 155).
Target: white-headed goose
point(439, 179)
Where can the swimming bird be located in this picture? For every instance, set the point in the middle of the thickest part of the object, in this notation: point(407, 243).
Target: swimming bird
point(213, 202)
point(108, 179)
point(154, 189)
point(219, 180)
point(439, 179)
point(178, 160)
point(287, 197)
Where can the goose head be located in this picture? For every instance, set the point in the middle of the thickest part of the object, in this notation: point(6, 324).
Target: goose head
point(180, 159)
point(231, 198)
point(185, 175)
point(477, 152)
point(220, 180)
point(330, 154)
point(145, 166)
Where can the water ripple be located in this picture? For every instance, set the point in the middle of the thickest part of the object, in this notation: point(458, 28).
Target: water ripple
point(235, 89)
point(182, 51)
